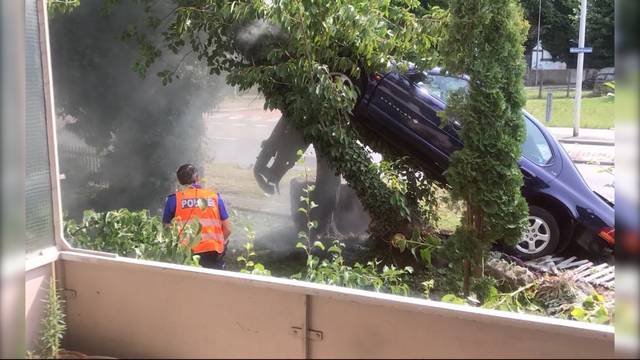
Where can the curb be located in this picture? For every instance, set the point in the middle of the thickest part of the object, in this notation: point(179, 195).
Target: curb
point(586, 142)
point(266, 212)
point(588, 162)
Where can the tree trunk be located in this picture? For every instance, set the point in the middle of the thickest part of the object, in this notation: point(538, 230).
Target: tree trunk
point(466, 270)
point(337, 143)
point(325, 195)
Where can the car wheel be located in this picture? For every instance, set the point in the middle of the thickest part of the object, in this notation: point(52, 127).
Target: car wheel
point(541, 237)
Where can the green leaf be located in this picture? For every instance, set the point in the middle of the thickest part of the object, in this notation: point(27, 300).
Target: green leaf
point(578, 313)
point(597, 297)
point(319, 245)
point(452, 299)
point(425, 256)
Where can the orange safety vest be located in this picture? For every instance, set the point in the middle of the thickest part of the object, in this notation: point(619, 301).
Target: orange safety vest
point(188, 207)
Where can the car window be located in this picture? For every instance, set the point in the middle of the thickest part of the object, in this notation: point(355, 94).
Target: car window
point(535, 146)
point(438, 85)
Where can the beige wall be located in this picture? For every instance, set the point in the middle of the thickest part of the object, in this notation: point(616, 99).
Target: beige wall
point(126, 309)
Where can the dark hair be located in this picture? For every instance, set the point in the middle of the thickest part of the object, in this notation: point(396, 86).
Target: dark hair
point(187, 174)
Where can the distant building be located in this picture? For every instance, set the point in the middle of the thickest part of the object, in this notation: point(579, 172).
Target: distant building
point(545, 62)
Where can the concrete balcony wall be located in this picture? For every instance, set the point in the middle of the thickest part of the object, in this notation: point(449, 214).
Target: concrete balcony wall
point(128, 308)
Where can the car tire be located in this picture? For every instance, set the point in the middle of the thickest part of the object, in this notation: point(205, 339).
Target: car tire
point(541, 237)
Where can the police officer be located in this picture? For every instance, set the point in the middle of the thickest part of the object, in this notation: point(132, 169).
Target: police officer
point(205, 205)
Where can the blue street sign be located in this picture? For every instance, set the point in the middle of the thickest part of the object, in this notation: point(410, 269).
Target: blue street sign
point(575, 50)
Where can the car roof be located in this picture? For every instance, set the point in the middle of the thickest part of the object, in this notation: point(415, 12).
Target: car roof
point(440, 71)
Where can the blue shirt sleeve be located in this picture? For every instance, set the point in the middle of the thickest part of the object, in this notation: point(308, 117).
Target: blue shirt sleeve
point(221, 208)
point(169, 209)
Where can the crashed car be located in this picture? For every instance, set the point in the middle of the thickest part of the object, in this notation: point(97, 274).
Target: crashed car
point(402, 109)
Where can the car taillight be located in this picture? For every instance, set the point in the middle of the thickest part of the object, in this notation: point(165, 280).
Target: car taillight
point(608, 234)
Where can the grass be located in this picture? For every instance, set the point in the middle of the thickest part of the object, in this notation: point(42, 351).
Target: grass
point(596, 112)
point(238, 183)
point(558, 92)
point(448, 211)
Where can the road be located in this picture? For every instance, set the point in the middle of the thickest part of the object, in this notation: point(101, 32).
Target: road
point(234, 136)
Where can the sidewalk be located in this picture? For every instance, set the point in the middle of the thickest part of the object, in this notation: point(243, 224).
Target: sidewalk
point(592, 146)
point(604, 137)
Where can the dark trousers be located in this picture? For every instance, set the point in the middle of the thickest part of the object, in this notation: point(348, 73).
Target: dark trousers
point(212, 260)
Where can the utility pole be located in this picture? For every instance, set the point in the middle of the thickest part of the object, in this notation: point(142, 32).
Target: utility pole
point(540, 52)
point(583, 21)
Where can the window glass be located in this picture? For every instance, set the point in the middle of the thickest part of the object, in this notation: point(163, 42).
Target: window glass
point(38, 201)
point(440, 86)
point(535, 146)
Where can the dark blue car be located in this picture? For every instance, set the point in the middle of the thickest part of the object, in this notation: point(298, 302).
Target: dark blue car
point(403, 109)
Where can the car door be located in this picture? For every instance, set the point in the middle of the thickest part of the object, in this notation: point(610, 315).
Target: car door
point(410, 116)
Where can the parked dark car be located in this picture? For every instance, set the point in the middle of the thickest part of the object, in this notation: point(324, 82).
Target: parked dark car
point(606, 75)
point(596, 79)
point(403, 109)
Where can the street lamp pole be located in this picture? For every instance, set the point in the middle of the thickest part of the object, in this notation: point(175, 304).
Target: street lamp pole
point(583, 21)
point(539, 51)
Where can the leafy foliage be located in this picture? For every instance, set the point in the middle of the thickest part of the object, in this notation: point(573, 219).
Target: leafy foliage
point(560, 296)
point(334, 271)
point(592, 309)
point(452, 299)
point(247, 259)
point(134, 234)
point(484, 41)
point(53, 323)
point(61, 6)
point(309, 59)
point(422, 247)
point(609, 87)
point(559, 29)
point(118, 231)
point(600, 33)
point(519, 300)
point(558, 26)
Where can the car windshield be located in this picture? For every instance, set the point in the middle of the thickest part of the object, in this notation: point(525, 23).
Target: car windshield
point(440, 86)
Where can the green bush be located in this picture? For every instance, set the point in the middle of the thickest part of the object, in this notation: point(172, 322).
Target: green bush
point(134, 234)
point(334, 271)
point(485, 41)
point(53, 323)
point(246, 260)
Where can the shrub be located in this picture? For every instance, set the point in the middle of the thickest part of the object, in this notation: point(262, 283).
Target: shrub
point(134, 234)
